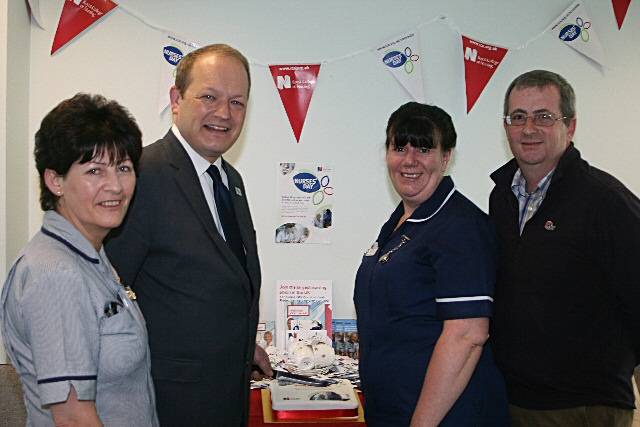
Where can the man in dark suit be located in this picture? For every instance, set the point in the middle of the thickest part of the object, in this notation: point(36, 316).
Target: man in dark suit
point(188, 249)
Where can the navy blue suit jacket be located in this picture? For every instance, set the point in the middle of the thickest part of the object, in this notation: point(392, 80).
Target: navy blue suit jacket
point(200, 303)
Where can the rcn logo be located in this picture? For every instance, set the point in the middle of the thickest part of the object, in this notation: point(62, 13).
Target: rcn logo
point(306, 182)
point(283, 82)
point(470, 54)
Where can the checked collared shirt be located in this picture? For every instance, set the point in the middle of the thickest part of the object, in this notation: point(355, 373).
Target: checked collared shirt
point(528, 203)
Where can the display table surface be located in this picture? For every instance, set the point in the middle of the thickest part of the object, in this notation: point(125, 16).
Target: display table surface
point(260, 404)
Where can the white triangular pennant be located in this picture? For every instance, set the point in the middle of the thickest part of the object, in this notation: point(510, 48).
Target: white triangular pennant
point(172, 48)
point(576, 28)
point(34, 8)
point(401, 56)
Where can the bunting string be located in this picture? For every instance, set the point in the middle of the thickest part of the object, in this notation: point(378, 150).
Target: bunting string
point(441, 18)
point(400, 55)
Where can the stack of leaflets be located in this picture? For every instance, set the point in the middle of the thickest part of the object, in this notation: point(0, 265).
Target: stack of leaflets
point(345, 338)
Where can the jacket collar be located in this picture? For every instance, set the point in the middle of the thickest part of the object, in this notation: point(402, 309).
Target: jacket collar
point(504, 175)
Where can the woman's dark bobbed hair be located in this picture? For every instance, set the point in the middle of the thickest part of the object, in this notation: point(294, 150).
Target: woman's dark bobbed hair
point(421, 125)
point(79, 129)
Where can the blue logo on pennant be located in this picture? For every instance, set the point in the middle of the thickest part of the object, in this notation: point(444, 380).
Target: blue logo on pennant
point(394, 59)
point(569, 33)
point(306, 182)
point(172, 54)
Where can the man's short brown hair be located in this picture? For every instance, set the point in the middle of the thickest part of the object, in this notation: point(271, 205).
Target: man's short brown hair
point(183, 72)
point(540, 79)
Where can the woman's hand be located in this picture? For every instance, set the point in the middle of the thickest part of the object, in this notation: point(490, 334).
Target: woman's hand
point(453, 361)
point(75, 412)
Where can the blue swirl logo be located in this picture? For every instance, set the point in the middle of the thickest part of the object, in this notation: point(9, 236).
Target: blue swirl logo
point(172, 54)
point(306, 182)
point(394, 59)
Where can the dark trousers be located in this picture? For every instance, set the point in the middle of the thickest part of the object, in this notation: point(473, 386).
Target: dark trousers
point(582, 416)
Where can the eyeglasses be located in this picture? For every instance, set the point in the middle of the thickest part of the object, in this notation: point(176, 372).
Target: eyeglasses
point(539, 119)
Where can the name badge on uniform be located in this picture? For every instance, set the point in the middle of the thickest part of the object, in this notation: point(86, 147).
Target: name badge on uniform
point(372, 250)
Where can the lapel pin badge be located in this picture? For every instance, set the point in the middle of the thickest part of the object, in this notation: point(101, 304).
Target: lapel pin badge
point(130, 293)
point(549, 226)
point(238, 191)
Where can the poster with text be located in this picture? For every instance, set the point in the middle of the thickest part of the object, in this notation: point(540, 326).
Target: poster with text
point(303, 311)
point(306, 203)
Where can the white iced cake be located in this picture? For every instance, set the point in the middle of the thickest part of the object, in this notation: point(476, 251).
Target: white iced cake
point(304, 397)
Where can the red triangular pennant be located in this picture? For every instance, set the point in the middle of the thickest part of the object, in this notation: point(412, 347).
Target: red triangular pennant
point(480, 62)
point(295, 84)
point(77, 16)
point(620, 8)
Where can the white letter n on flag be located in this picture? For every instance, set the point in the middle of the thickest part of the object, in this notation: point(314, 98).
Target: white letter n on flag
point(470, 54)
point(284, 81)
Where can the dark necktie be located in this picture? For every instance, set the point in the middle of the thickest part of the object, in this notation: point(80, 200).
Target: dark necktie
point(224, 205)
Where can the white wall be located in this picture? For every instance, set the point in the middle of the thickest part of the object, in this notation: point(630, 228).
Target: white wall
point(352, 101)
point(3, 157)
point(14, 120)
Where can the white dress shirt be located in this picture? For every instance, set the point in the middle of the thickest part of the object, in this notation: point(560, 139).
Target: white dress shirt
point(201, 165)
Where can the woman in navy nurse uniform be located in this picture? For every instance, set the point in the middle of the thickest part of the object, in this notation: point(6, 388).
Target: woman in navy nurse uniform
point(424, 291)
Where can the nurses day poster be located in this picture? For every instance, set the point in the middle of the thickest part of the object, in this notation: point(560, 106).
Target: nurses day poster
point(306, 203)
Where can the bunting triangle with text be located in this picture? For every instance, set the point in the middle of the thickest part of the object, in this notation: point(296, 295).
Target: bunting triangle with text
point(295, 84)
point(481, 60)
point(173, 49)
point(77, 16)
point(576, 28)
point(401, 57)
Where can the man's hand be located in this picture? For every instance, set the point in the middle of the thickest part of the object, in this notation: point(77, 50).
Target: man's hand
point(261, 361)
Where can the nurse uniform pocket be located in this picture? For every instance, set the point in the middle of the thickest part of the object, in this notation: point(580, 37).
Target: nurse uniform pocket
point(122, 346)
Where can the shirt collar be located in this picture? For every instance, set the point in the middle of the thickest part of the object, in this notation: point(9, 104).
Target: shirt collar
point(435, 203)
point(57, 227)
point(519, 184)
point(199, 163)
point(424, 212)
